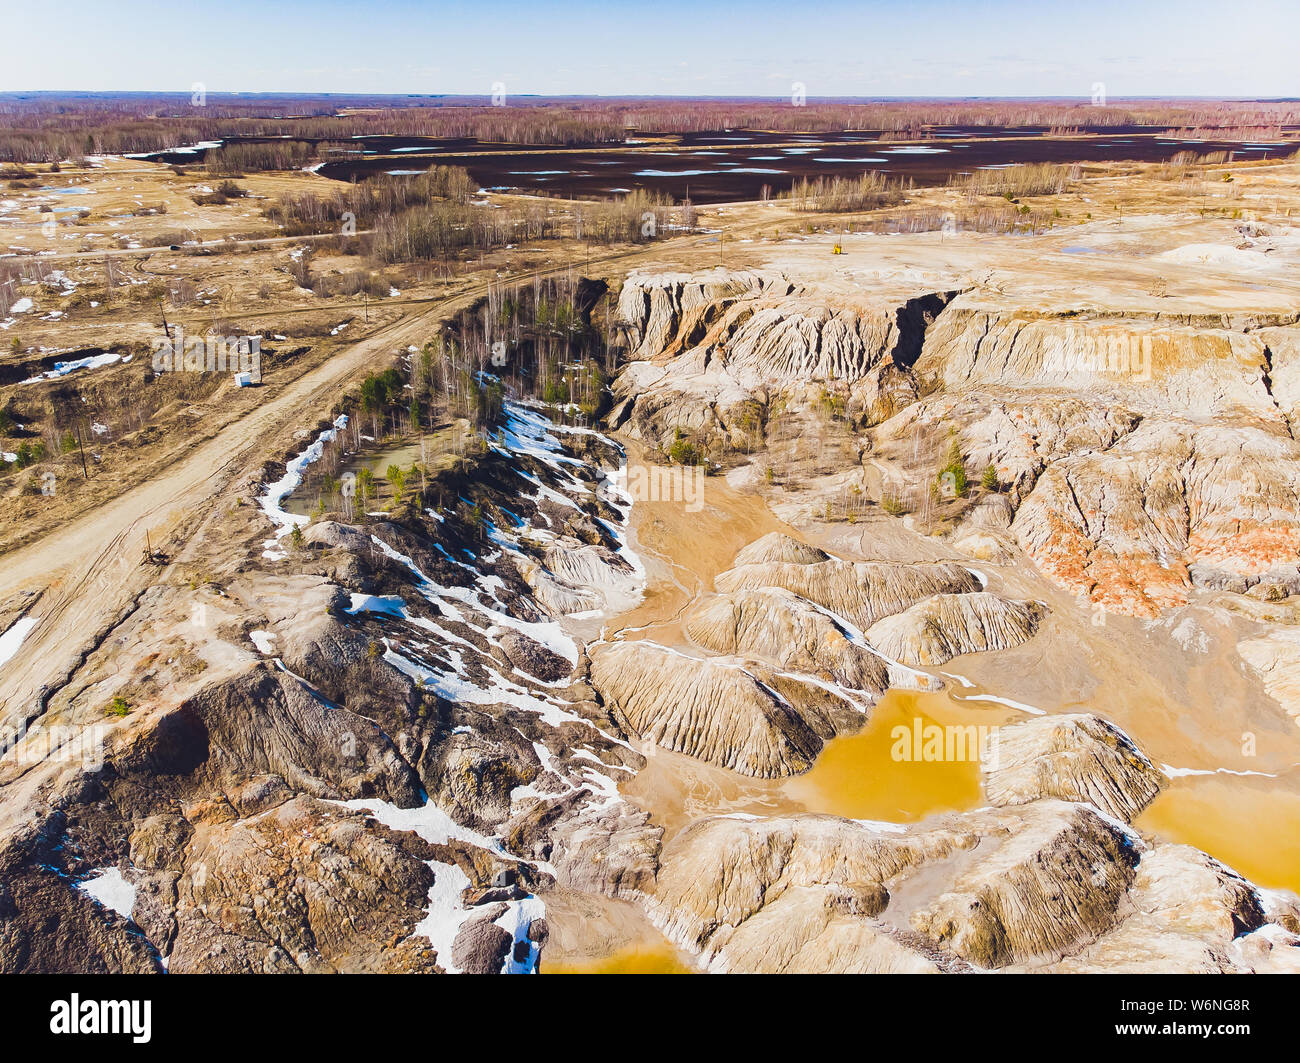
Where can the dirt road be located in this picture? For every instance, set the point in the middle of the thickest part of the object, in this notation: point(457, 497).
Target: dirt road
point(90, 571)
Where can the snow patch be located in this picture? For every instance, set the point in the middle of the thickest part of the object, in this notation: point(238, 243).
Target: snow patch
point(110, 888)
point(13, 637)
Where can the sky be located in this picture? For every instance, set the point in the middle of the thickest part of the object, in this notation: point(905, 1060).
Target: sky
point(658, 47)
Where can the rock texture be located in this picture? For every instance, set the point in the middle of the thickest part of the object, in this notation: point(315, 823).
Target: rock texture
point(1141, 458)
point(1275, 658)
point(719, 711)
point(948, 625)
point(862, 592)
point(1168, 505)
point(784, 625)
point(790, 632)
point(1205, 365)
point(383, 751)
point(303, 886)
point(313, 759)
point(1038, 884)
point(1079, 757)
point(775, 546)
point(1144, 452)
point(1053, 883)
point(574, 577)
point(714, 344)
point(984, 890)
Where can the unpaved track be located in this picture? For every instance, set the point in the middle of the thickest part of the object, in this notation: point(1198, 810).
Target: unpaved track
point(91, 570)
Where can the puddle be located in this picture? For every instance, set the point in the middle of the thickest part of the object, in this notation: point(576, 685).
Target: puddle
point(633, 960)
point(1251, 825)
point(918, 755)
point(855, 776)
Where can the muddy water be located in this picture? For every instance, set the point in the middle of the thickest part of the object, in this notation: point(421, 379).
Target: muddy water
point(859, 775)
point(884, 773)
point(1250, 823)
point(660, 958)
point(876, 774)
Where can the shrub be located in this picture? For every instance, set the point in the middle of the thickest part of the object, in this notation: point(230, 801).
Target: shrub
point(29, 453)
point(683, 451)
point(1026, 179)
point(840, 194)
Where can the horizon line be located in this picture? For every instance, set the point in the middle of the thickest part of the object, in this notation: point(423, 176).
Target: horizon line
point(276, 94)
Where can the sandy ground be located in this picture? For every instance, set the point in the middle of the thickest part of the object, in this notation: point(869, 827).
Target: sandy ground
point(130, 200)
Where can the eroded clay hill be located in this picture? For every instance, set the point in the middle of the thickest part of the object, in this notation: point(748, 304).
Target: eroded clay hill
point(1136, 448)
point(1050, 877)
point(361, 753)
point(1147, 450)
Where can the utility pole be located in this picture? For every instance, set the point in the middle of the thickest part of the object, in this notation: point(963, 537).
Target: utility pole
point(81, 446)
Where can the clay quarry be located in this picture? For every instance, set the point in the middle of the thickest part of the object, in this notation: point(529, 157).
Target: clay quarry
point(584, 564)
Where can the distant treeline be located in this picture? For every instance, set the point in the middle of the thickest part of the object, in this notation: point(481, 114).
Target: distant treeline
point(260, 155)
point(46, 128)
point(437, 230)
point(442, 228)
point(409, 219)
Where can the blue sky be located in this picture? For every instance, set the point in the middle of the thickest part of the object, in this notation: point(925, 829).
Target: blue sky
point(661, 47)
